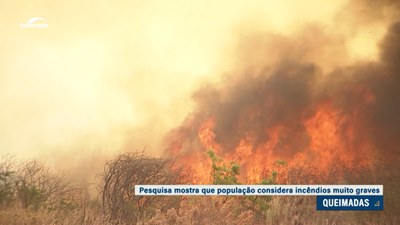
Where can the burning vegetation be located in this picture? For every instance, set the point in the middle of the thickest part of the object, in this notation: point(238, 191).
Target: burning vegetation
point(296, 113)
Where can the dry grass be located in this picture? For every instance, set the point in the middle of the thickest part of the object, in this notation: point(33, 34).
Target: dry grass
point(280, 210)
point(20, 216)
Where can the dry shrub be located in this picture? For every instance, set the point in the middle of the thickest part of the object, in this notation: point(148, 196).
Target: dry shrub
point(31, 193)
point(121, 175)
point(37, 186)
point(7, 181)
point(32, 185)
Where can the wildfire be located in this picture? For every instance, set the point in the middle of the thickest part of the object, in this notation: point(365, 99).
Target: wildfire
point(329, 137)
point(289, 114)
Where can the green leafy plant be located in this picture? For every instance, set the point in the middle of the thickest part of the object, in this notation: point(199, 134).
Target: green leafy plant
point(221, 173)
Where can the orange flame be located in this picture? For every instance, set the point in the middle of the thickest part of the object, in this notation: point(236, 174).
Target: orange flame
point(329, 136)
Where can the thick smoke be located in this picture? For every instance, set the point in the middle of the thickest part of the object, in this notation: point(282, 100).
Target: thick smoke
point(378, 111)
point(364, 96)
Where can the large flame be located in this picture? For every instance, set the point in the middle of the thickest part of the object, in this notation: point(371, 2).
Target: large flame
point(329, 136)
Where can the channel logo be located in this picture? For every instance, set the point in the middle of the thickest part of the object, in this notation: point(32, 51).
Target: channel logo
point(35, 23)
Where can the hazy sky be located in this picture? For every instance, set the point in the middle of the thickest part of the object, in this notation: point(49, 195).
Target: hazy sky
point(116, 75)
